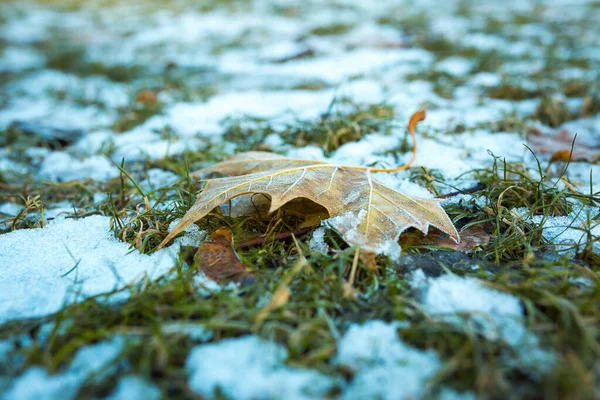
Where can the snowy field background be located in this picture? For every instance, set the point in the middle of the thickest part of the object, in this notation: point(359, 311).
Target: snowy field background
point(106, 106)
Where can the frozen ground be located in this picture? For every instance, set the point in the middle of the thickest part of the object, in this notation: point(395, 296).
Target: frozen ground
point(105, 107)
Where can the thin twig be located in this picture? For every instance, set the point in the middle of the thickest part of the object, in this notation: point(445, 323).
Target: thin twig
point(280, 236)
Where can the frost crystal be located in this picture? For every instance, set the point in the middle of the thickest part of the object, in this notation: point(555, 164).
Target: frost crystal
point(317, 243)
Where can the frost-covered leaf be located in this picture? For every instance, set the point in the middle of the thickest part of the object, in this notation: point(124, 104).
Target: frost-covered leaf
point(362, 209)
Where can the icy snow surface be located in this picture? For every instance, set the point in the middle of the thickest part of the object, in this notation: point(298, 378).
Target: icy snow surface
point(89, 362)
point(251, 368)
point(470, 305)
point(35, 264)
point(133, 387)
point(386, 367)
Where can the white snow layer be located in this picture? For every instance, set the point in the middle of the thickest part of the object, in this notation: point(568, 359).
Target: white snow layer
point(469, 305)
point(251, 368)
point(386, 368)
point(133, 387)
point(35, 264)
point(90, 361)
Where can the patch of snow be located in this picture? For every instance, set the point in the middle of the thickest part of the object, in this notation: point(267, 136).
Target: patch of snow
point(386, 368)
point(204, 118)
point(333, 68)
point(251, 368)
point(192, 235)
point(194, 331)
point(486, 79)
point(484, 42)
point(16, 59)
point(455, 66)
point(60, 166)
point(93, 360)
point(449, 394)
point(347, 224)
point(48, 112)
point(570, 231)
point(141, 144)
point(10, 209)
point(158, 179)
point(133, 387)
point(467, 304)
point(206, 286)
point(309, 152)
point(34, 266)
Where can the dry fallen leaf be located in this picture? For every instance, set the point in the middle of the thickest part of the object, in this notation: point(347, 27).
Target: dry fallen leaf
point(362, 209)
point(217, 259)
point(559, 145)
point(470, 238)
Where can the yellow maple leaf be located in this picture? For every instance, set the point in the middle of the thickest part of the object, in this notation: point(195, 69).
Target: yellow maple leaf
point(362, 209)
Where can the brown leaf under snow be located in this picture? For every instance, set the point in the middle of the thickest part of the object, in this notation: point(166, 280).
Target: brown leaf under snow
point(362, 209)
point(559, 144)
point(217, 259)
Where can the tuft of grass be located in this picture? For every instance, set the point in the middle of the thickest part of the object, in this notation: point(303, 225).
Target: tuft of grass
point(333, 29)
point(344, 122)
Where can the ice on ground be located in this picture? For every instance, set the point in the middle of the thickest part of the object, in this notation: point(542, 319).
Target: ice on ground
point(157, 179)
point(469, 305)
point(192, 330)
point(386, 367)
point(455, 66)
point(90, 361)
point(192, 235)
point(570, 232)
point(19, 58)
point(317, 243)
point(333, 68)
point(43, 269)
point(347, 224)
point(10, 209)
point(133, 387)
point(251, 368)
point(204, 118)
point(91, 89)
point(60, 166)
point(60, 114)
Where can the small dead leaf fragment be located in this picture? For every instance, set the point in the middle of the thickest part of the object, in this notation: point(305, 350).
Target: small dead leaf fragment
point(365, 211)
point(558, 145)
point(562, 155)
point(217, 259)
point(148, 97)
point(473, 236)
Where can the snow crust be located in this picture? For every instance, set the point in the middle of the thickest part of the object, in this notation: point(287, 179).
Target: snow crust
point(251, 368)
point(469, 305)
point(386, 368)
point(133, 387)
point(90, 361)
point(66, 261)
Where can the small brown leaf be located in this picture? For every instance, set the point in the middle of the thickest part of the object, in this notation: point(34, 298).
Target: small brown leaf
point(217, 259)
point(148, 97)
point(561, 155)
point(559, 145)
point(473, 236)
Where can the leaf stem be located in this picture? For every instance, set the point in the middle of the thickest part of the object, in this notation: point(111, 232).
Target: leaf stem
point(412, 123)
